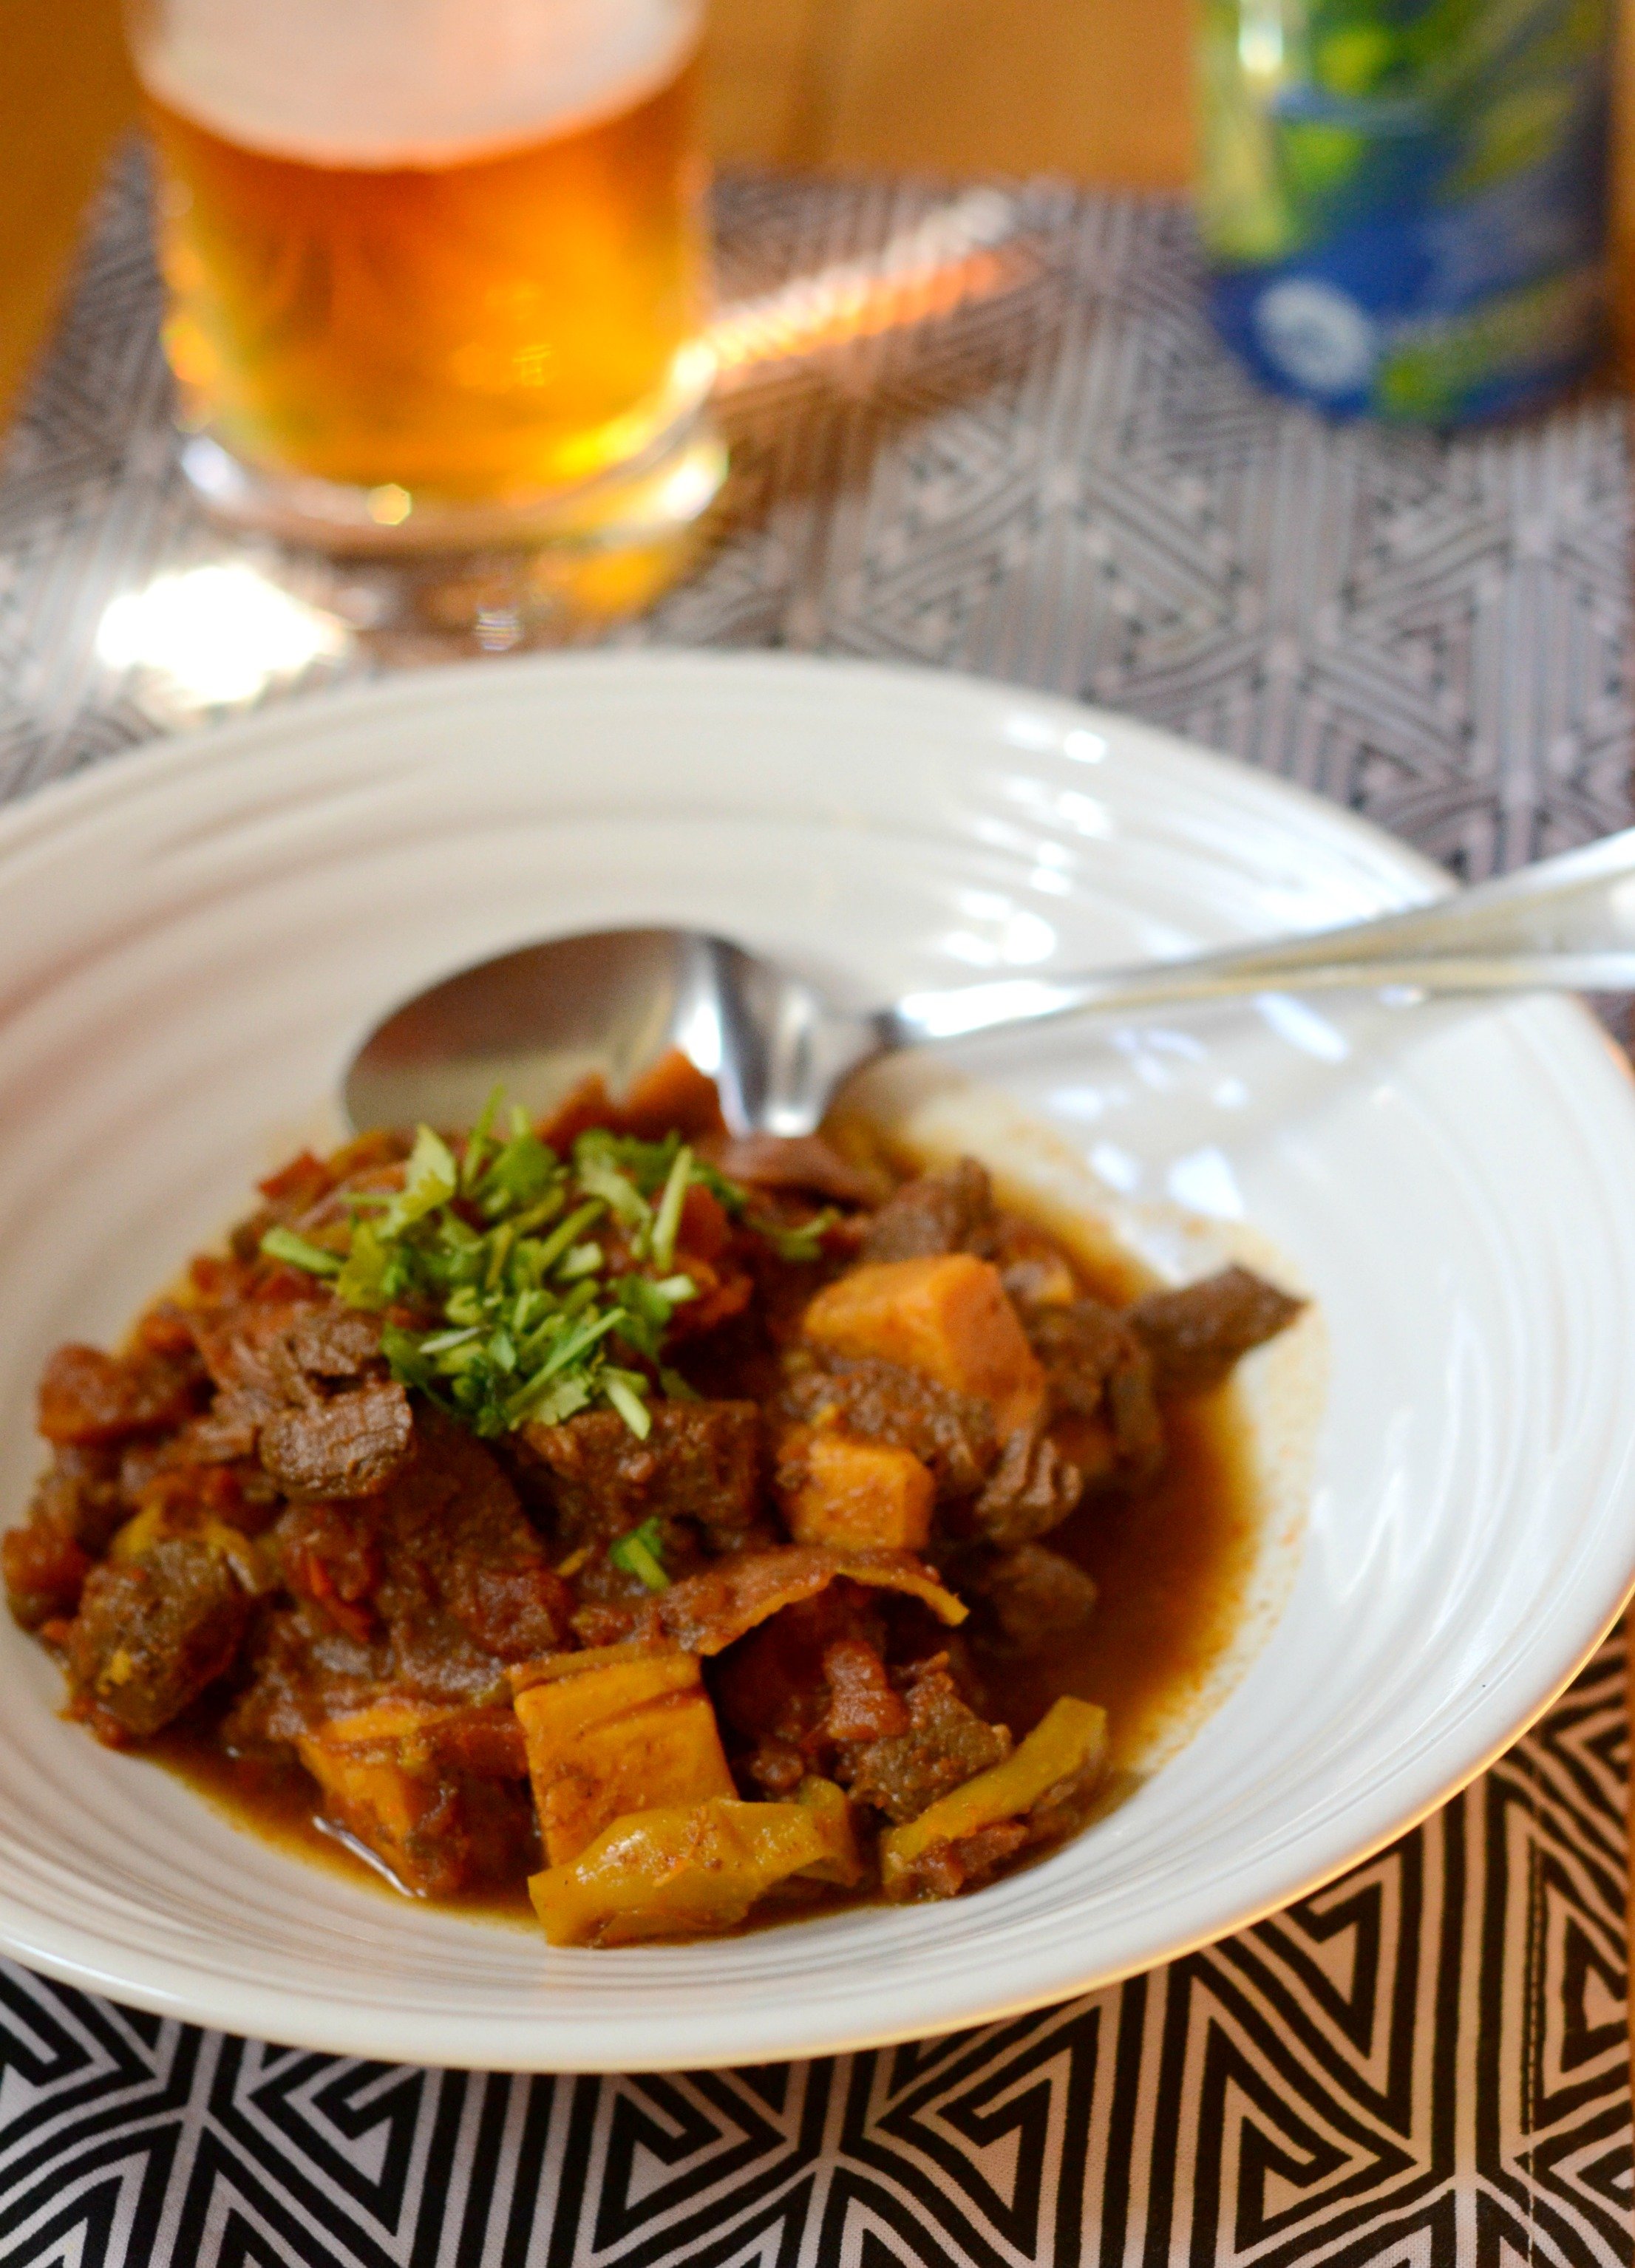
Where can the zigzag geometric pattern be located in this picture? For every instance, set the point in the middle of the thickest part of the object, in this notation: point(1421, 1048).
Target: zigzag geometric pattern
point(1425, 2062)
point(1026, 459)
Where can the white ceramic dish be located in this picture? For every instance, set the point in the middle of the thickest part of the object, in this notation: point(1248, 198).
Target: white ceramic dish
point(190, 940)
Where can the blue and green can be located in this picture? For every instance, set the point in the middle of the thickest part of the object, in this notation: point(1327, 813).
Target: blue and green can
point(1403, 201)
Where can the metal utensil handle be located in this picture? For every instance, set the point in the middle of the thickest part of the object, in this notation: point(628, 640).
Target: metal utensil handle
point(1567, 923)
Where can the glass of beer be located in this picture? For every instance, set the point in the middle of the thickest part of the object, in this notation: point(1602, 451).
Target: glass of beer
point(437, 269)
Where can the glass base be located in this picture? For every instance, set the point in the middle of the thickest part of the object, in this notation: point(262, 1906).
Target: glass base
point(673, 481)
point(499, 574)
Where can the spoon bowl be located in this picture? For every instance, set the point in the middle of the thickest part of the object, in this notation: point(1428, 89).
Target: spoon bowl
point(611, 1002)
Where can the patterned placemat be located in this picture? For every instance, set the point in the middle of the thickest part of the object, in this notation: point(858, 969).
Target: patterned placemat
point(983, 428)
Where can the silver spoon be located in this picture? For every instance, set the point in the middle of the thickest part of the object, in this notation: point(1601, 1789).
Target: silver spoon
point(539, 1019)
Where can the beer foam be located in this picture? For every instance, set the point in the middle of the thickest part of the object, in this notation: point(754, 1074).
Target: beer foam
point(422, 82)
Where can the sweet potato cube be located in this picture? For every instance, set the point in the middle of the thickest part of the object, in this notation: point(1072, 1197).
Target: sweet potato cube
point(948, 1317)
point(681, 1871)
point(853, 1494)
point(377, 1780)
point(626, 1735)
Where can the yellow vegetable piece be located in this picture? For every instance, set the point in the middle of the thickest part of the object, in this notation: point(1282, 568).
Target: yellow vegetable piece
point(948, 1317)
point(853, 1494)
point(831, 1809)
point(613, 1736)
point(1069, 1744)
point(681, 1871)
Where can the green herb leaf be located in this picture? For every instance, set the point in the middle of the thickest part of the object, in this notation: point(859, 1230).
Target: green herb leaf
point(429, 1182)
point(804, 1242)
point(667, 1219)
point(563, 1399)
point(596, 1171)
point(409, 1367)
point(562, 1237)
point(284, 1244)
point(477, 1141)
point(640, 1553)
point(520, 1175)
point(362, 1282)
point(500, 1324)
point(624, 1389)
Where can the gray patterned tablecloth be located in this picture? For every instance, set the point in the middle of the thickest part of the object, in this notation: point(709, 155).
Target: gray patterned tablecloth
point(985, 428)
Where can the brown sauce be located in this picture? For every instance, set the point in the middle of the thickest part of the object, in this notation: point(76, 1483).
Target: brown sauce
point(1172, 1562)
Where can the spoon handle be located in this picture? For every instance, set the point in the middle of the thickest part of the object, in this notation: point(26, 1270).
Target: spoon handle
point(1567, 923)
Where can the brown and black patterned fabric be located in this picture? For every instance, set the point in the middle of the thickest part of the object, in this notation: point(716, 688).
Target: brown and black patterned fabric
point(1034, 465)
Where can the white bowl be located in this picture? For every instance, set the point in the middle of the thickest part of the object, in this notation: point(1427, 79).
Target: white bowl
point(191, 939)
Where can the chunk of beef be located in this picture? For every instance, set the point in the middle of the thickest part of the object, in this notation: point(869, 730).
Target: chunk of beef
point(77, 1507)
point(945, 1744)
point(81, 1493)
point(348, 1444)
point(947, 1868)
point(335, 1342)
point(1041, 1796)
point(701, 1461)
point(458, 1549)
point(1098, 1366)
point(190, 1467)
point(1035, 1596)
point(808, 1680)
point(1195, 1336)
point(948, 1211)
point(802, 1161)
point(275, 1368)
point(1032, 1490)
point(325, 1552)
point(954, 1434)
point(864, 1704)
point(612, 1600)
point(93, 1399)
point(708, 1612)
point(45, 1571)
point(1033, 1267)
point(770, 1687)
point(152, 1634)
point(304, 1669)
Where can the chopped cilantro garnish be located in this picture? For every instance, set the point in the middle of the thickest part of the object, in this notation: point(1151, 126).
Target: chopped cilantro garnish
point(640, 1553)
point(625, 1389)
point(803, 1243)
point(520, 1288)
point(477, 1142)
point(597, 1170)
point(667, 1219)
point(428, 1181)
point(284, 1244)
